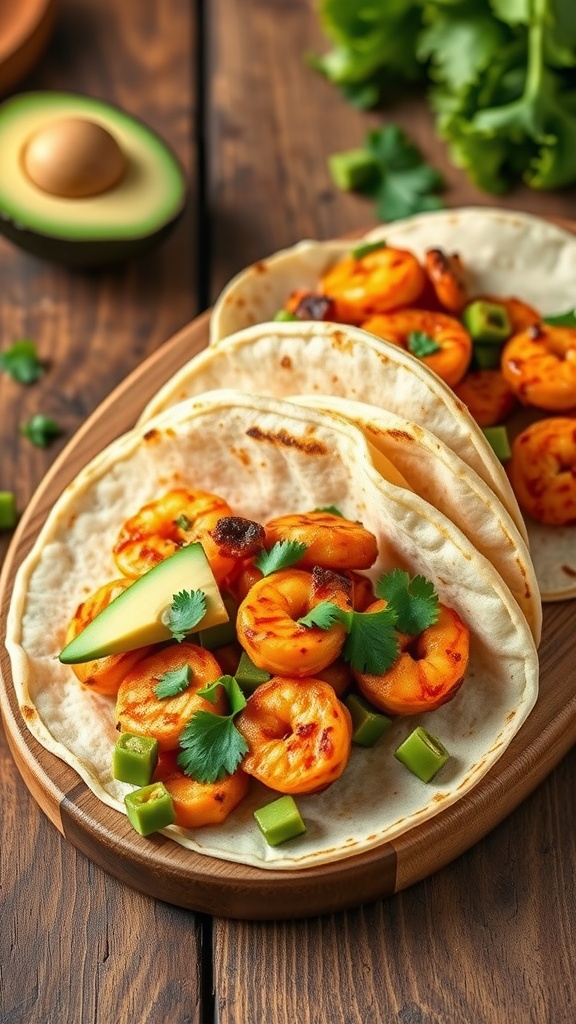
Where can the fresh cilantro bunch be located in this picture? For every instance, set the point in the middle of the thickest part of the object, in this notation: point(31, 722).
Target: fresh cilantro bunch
point(211, 744)
point(500, 76)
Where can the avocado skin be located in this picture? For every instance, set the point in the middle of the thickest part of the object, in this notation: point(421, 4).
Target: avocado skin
point(84, 255)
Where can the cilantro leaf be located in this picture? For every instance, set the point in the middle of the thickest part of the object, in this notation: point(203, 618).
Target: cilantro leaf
point(212, 747)
point(236, 698)
point(331, 509)
point(186, 611)
point(41, 430)
point(460, 43)
point(172, 683)
point(364, 250)
point(372, 642)
point(421, 344)
point(414, 600)
point(281, 555)
point(567, 319)
point(21, 362)
point(323, 616)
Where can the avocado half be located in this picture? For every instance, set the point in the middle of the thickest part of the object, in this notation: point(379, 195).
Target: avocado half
point(125, 220)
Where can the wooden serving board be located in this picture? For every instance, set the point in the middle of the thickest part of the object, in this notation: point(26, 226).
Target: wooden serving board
point(162, 868)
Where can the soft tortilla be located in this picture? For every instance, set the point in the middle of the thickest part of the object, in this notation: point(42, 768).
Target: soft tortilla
point(268, 457)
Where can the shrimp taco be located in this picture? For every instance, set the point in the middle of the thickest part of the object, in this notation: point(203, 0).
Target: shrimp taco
point(297, 521)
point(483, 297)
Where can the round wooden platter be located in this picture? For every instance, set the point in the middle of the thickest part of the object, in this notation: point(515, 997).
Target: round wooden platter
point(164, 869)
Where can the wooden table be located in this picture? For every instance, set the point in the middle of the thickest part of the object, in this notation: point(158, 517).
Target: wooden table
point(489, 938)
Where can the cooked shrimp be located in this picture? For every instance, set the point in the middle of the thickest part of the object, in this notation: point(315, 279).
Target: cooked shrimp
point(540, 367)
point(428, 671)
point(543, 470)
point(338, 675)
point(267, 625)
point(199, 803)
point(331, 541)
point(160, 527)
point(103, 675)
point(141, 711)
point(362, 591)
point(298, 734)
point(446, 274)
point(489, 397)
point(245, 580)
point(520, 314)
point(454, 344)
point(381, 280)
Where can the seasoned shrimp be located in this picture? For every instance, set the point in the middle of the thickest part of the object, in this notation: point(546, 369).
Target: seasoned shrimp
point(267, 625)
point(199, 803)
point(542, 470)
point(428, 671)
point(103, 675)
point(540, 367)
point(487, 395)
point(298, 734)
point(520, 314)
point(446, 274)
point(331, 541)
point(139, 710)
point(379, 281)
point(452, 341)
point(160, 527)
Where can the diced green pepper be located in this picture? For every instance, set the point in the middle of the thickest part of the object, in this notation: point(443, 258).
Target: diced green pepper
point(366, 248)
point(280, 821)
point(498, 439)
point(150, 808)
point(249, 676)
point(485, 357)
point(285, 315)
point(353, 169)
point(487, 322)
point(368, 725)
point(423, 754)
point(134, 759)
point(8, 514)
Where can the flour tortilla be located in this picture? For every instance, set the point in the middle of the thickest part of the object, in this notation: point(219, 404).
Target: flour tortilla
point(505, 253)
point(268, 457)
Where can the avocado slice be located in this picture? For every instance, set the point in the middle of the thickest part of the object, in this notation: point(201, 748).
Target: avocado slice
point(134, 618)
point(136, 208)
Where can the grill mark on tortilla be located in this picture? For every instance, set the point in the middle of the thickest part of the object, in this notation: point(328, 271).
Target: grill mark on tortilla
point(568, 570)
point(28, 712)
point(281, 438)
point(286, 363)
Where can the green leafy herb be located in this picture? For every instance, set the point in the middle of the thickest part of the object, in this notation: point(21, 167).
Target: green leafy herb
point(567, 319)
point(414, 600)
point(41, 430)
point(173, 683)
point(282, 555)
point(372, 642)
point(186, 611)
point(182, 522)
point(331, 509)
point(364, 250)
point(421, 344)
point(21, 362)
point(404, 184)
point(211, 744)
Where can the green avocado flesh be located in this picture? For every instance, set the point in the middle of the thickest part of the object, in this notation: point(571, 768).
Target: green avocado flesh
point(135, 618)
point(142, 205)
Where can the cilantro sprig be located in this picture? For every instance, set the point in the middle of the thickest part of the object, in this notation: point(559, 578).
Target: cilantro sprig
point(421, 344)
point(41, 430)
point(186, 611)
point(21, 362)
point(281, 555)
point(212, 746)
point(567, 319)
point(372, 644)
point(173, 683)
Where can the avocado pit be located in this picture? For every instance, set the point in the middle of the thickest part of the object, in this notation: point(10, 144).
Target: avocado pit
point(74, 158)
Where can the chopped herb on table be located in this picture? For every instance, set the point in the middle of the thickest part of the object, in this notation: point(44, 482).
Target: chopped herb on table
point(41, 430)
point(21, 362)
point(8, 513)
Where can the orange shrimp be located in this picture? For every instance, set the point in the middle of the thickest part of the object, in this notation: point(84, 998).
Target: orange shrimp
point(377, 282)
point(102, 675)
point(298, 734)
point(428, 672)
point(199, 803)
point(454, 344)
point(268, 629)
point(520, 314)
point(331, 541)
point(446, 274)
point(338, 675)
point(160, 527)
point(540, 367)
point(487, 395)
point(139, 710)
point(542, 470)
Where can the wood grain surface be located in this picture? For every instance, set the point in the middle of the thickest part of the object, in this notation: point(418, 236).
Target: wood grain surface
point(488, 939)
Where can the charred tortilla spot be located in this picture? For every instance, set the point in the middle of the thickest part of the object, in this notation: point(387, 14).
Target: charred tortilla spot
point(152, 436)
point(238, 537)
point(286, 363)
point(281, 438)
